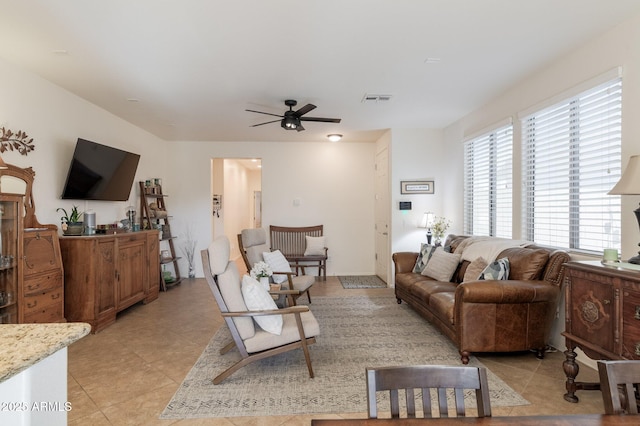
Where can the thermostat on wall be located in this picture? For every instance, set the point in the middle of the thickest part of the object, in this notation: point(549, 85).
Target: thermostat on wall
point(405, 205)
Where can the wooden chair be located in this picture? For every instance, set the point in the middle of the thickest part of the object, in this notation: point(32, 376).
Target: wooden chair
point(291, 241)
point(619, 382)
point(299, 330)
point(424, 378)
point(252, 243)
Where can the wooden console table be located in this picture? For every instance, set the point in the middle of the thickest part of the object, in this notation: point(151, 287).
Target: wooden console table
point(602, 317)
point(104, 274)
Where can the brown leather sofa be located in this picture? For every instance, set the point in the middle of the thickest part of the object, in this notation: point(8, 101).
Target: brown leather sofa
point(489, 316)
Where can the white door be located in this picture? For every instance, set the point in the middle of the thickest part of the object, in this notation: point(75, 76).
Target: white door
point(382, 214)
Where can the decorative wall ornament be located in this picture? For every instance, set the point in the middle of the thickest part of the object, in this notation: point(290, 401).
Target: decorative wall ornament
point(19, 141)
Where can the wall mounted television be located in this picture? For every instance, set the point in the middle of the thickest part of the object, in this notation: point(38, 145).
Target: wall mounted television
point(100, 172)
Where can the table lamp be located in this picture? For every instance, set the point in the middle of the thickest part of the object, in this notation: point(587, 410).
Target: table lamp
point(629, 184)
point(427, 222)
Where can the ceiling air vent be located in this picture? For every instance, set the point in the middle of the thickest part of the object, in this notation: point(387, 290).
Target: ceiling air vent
point(370, 98)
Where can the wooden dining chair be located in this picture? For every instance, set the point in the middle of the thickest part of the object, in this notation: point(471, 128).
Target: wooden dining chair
point(440, 378)
point(619, 382)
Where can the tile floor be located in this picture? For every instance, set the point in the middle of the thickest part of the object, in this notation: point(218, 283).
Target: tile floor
point(127, 373)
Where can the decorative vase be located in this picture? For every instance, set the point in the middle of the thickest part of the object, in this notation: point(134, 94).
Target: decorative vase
point(192, 271)
point(265, 282)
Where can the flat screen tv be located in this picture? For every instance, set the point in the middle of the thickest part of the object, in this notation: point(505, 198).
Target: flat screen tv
point(100, 172)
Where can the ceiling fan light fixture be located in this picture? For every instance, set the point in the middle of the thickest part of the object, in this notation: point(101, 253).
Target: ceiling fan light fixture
point(290, 123)
point(334, 137)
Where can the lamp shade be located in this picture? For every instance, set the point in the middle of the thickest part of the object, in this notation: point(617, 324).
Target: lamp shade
point(629, 183)
point(427, 220)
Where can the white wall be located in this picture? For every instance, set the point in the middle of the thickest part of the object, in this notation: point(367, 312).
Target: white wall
point(55, 119)
point(235, 200)
point(418, 154)
point(332, 181)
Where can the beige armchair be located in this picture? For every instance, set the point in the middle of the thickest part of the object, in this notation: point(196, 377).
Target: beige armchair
point(252, 243)
point(299, 326)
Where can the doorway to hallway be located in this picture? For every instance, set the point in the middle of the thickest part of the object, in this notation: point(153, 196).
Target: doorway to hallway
point(237, 184)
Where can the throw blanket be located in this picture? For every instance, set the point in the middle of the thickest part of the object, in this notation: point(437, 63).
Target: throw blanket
point(486, 247)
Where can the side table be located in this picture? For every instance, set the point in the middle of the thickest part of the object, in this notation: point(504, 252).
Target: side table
point(602, 316)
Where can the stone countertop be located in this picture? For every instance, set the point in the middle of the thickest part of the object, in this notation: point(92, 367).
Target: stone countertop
point(23, 345)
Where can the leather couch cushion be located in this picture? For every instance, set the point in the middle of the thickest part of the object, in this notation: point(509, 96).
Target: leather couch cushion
point(525, 263)
point(442, 304)
point(425, 289)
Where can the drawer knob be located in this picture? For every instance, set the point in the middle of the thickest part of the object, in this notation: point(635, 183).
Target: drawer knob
point(32, 305)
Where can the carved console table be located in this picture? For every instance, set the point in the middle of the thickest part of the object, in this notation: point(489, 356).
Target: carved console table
point(602, 317)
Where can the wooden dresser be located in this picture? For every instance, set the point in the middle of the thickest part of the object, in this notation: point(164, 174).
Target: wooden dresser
point(602, 317)
point(104, 274)
point(42, 288)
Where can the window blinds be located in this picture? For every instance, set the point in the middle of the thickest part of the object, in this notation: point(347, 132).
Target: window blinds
point(488, 183)
point(571, 159)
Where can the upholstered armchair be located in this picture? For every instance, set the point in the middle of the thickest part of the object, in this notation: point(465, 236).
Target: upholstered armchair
point(253, 245)
point(243, 306)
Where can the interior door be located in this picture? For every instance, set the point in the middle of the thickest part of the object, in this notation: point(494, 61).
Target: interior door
point(382, 214)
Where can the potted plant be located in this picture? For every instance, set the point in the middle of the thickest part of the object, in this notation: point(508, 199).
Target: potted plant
point(71, 223)
point(439, 227)
point(261, 272)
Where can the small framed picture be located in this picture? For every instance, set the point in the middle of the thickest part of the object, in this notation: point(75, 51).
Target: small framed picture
point(416, 187)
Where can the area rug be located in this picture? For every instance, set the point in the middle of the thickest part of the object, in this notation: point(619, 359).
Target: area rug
point(355, 332)
point(362, 281)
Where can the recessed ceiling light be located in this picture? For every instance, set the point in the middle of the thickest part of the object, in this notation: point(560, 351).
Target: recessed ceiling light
point(432, 60)
point(334, 137)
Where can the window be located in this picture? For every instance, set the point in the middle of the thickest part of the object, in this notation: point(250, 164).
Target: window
point(488, 183)
point(571, 159)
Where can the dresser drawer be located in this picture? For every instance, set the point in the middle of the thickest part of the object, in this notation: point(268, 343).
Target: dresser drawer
point(50, 313)
point(42, 301)
point(41, 283)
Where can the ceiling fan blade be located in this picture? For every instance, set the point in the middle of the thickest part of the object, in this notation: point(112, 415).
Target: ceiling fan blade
point(323, 120)
point(268, 122)
point(305, 109)
point(267, 113)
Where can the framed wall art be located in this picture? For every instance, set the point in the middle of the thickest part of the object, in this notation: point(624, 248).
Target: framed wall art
point(416, 187)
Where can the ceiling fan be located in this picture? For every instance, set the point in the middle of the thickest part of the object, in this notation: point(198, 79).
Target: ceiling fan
point(291, 120)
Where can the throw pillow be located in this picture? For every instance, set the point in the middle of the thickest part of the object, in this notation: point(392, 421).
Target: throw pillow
point(497, 270)
point(258, 299)
point(442, 265)
point(474, 269)
point(426, 251)
point(278, 263)
point(315, 246)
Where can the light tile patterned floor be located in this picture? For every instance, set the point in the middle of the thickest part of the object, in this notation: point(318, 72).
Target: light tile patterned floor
point(126, 374)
